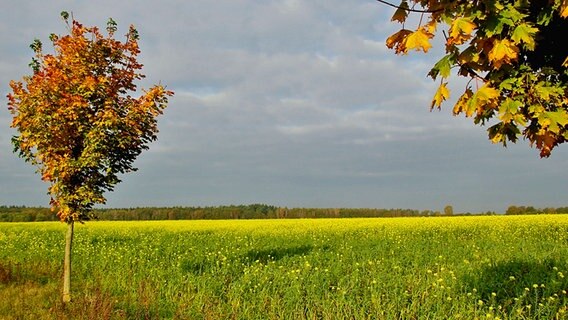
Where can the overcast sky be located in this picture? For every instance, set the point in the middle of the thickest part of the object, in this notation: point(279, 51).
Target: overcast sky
point(289, 103)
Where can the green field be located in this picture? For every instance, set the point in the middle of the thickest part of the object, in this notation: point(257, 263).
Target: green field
point(498, 267)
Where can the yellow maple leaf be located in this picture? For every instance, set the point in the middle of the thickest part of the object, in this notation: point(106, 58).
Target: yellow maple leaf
point(419, 40)
point(503, 52)
point(441, 95)
point(486, 93)
point(460, 30)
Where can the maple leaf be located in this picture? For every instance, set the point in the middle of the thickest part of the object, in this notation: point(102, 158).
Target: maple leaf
point(547, 92)
point(397, 41)
point(461, 30)
point(508, 109)
point(461, 104)
point(441, 95)
point(503, 52)
point(545, 142)
point(484, 98)
point(401, 13)
point(553, 120)
point(525, 33)
point(486, 93)
point(442, 67)
point(418, 40)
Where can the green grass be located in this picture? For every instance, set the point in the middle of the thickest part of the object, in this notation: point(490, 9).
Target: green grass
point(400, 268)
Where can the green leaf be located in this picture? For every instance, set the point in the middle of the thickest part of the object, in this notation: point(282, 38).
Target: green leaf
point(546, 92)
point(545, 16)
point(64, 15)
point(442, 67)
point(493, 26)
point(552, 119)
point(111, 26)
point(511, 14)
point(36, 46)
point(508, 109)
point(507, 84)
point(525, 33)
point(560, 117)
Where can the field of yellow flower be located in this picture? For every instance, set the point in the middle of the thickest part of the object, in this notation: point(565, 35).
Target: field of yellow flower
point(491, 267)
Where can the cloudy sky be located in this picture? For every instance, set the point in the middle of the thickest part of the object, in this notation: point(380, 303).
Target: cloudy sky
point(289, 102)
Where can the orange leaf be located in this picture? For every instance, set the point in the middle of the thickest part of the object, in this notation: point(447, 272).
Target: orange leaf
point(564, 9)
point(397, 40)
point(545, 142)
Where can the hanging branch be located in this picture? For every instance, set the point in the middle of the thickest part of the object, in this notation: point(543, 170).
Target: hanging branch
point(408, 9)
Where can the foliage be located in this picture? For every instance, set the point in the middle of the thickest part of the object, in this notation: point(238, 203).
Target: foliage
point(507, 267)
point(75, 116)
point(515, 56)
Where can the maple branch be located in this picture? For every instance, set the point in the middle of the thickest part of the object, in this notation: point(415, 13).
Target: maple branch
point(408, 9)
point(472, 73)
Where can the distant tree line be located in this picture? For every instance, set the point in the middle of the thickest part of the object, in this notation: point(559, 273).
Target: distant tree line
point(519, 210)
point(252, 211)
point(26, 214)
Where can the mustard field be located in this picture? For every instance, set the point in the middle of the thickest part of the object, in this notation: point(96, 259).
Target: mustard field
point(489, 267)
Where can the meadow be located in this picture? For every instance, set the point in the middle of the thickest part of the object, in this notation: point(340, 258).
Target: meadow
point(479, 267)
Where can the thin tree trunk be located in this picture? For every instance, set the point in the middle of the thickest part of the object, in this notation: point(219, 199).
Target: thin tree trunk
point(67, 263)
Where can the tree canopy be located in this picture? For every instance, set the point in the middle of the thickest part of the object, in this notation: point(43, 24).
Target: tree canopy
point(514, 54)
point(76, 119)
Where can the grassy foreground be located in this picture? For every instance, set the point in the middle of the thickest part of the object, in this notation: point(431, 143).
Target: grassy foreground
point(496, 267)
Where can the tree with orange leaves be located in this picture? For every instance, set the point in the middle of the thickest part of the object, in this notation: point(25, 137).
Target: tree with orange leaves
point(77, 122)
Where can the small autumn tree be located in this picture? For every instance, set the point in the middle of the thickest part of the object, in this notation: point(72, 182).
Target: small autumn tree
point(513, 52)
point(78, 123)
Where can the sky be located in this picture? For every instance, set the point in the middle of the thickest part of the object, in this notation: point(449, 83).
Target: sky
point(289, 103)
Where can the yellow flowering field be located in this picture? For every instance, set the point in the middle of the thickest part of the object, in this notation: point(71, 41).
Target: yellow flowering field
point(481, 267)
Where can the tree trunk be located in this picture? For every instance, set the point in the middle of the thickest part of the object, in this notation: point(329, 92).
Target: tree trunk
point(67, 263)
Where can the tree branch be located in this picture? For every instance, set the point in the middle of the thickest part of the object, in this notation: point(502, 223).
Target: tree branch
point(408, 9)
